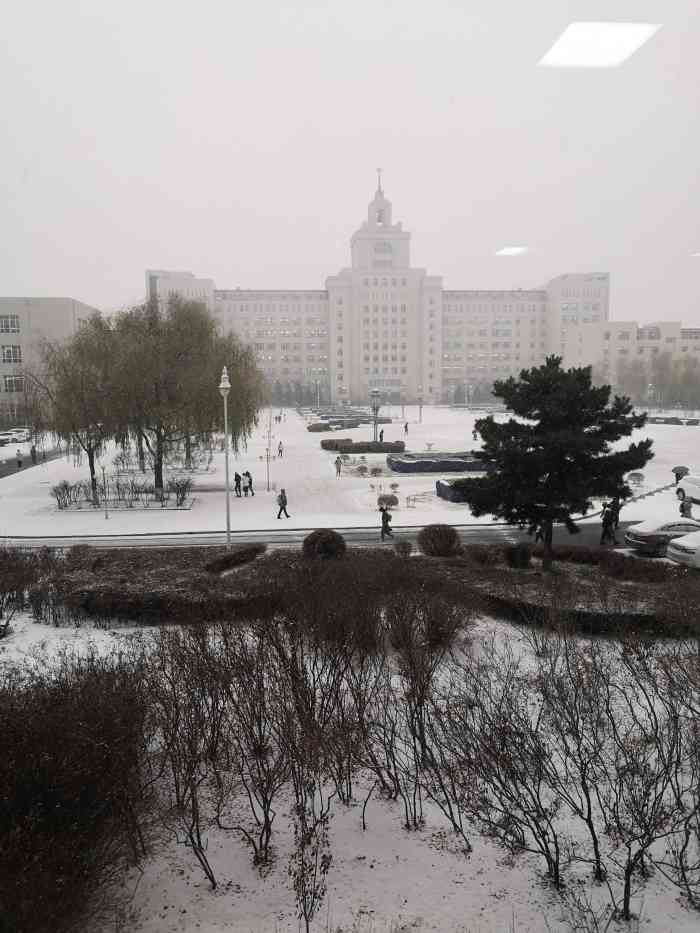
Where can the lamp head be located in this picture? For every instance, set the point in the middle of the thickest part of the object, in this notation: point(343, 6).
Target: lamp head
point(224, 385)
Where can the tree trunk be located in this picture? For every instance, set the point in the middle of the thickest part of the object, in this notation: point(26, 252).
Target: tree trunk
point(93, 478)
point(158, 466)
point(142, 452)
point(547, 542)
point(188, 452)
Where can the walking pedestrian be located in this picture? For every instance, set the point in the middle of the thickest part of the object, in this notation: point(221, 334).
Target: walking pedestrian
point(686, 508)
point(405, 428)
point(19, 458)
point(246, 485)
point(386, 522)
point(475, 436)
point(615, 507)
point(250, 482)
point(280, 449)
point(381, 436)
point(338, 466)
point(32, 453)
point(607, 534)
point(282, 503)
point(539, 533)
point(237, 484)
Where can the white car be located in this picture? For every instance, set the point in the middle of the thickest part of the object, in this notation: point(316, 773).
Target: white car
point(689, 488)
point(653, 537)
point(685, 550)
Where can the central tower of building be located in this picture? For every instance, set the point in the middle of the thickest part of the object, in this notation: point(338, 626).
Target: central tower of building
point(384, 316)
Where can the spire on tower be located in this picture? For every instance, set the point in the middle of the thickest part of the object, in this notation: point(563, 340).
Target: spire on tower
point(379, 181)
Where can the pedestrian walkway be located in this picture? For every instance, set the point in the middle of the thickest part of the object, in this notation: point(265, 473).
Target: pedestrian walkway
point(8, 461)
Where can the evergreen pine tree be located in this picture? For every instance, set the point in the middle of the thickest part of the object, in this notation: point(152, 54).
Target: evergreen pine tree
point(556, 457)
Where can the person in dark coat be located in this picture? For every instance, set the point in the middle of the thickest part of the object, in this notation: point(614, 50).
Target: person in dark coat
point(607, 534)
point(381, 436)
point(32, 454)
point(246, 484)
point(615, 507)
point(250, 482)
point(686, 508)
point(19, 458)
point(237, 484)
point(282, 503)
point(405, 428)
point(338, 466)
point(386, 522)
point(280, 449)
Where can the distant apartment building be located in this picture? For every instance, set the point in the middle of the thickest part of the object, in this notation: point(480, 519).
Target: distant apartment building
point(24, 323)
point(383, 323)
point(162, 285)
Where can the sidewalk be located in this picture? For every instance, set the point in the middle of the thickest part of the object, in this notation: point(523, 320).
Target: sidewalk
point(8, 461)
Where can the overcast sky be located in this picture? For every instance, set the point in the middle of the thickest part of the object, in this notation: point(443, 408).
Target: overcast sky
point(240, 139)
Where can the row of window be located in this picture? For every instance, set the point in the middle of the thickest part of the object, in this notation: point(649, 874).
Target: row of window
point(11, 354)
point(14, 383)
point(9, 323)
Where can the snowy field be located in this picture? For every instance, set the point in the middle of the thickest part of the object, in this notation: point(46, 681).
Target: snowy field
point(316, 497)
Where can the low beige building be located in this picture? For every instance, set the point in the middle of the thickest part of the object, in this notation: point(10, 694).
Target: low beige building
point(24, 323)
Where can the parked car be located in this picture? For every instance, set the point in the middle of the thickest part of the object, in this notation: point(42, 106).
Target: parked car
point(689, 488)
point(686, 550)
point(652, 537)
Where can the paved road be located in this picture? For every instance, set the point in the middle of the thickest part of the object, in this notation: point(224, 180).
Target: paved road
point(355, 537)
point(8, 460)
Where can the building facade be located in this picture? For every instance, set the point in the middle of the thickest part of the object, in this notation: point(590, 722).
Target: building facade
point(24, 323)
point(383, 323)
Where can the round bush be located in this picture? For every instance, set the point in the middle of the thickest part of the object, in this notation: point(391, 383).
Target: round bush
point(403, 548)
point(518, 556)
point(438, 541)
point(324, 544)
point(388, 500)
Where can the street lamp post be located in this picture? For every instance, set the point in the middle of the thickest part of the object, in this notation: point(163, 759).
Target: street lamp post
point(374, 404)
point(402, 409)
point(269, 444)
point(318, 394)
point(224, 389)
point(420, 404)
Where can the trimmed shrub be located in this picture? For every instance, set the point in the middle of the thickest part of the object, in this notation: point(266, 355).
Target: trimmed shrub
point(182, 487)
point(331, 443)
point(403, 548)
point(243, 554)
point(314, 428)
point(438, 541)
point(324, 544)
point(361, 470)
point(518, 555)
point(485, 555)
point(371, 447)
point(577, 554)
point(375, 471)
point(388, 500)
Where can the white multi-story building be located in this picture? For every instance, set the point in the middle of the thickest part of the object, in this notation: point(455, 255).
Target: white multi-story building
point(383, 323)
point(24, 323)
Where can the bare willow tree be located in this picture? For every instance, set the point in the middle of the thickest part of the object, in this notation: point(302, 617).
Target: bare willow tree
point(171, 361)
point(75, 386)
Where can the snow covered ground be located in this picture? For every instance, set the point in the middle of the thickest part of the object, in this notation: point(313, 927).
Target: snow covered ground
point(316, 497)
point(382, 880)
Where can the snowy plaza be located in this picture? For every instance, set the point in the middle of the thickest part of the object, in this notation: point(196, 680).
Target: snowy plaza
point(307, 473)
